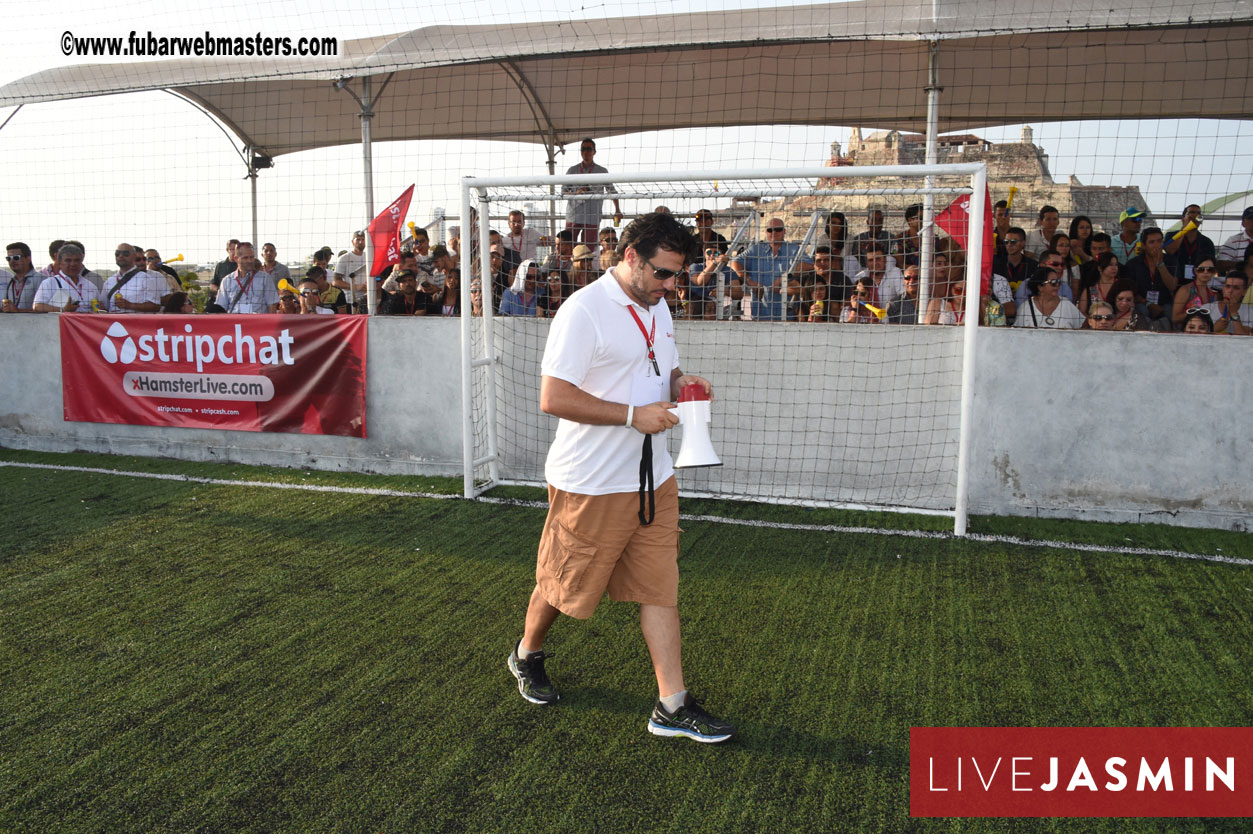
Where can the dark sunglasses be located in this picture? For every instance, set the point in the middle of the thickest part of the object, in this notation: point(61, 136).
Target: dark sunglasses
point(662, 274)
point(1205, 269)
point(1102, 318)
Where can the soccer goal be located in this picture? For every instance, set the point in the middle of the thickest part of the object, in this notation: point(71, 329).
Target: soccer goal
point(864, 415)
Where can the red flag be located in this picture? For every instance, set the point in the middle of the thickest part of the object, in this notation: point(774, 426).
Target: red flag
point(956, 221)
point(385, 232)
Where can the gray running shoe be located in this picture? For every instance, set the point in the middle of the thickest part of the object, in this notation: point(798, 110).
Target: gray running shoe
point(689, 720)
point(533, 681)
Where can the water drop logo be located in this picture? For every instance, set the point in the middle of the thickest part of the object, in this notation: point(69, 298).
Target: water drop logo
point(109, 350)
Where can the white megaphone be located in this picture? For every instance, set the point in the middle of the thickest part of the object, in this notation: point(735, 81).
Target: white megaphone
point(694, 416)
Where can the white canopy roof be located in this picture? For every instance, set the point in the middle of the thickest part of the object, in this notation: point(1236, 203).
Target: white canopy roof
point(856, 63)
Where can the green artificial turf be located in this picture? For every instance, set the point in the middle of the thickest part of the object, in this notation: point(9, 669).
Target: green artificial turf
point(190, 657)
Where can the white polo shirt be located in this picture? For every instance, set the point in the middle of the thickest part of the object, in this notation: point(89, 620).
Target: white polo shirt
point(59, 289)
point(525, 244)
point(351, 268)
point(594, 343)
point(142, 287)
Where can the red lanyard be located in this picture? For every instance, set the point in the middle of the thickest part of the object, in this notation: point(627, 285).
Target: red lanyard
point(17, 296)
point(648, 338)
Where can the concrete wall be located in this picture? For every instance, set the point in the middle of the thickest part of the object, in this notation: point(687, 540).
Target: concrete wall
point(1125, 427)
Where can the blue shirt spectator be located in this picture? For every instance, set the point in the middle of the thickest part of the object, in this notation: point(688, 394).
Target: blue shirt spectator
point(764, 268)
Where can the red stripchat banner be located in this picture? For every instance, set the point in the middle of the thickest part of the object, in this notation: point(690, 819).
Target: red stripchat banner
point(1081, 771)
point(272, 373)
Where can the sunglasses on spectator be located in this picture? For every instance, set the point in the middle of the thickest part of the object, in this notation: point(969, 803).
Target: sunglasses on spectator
point(309, 292)
point(1192, 311)
point(1052, 282)
point(662, 274)
point(1102, 317)
point(287, 297)
point(774, 229)
point(14, 257)
point(1013, 240)
point(1205, 269)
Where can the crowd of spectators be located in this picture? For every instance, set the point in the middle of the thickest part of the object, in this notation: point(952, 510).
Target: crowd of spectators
point(1139, 279)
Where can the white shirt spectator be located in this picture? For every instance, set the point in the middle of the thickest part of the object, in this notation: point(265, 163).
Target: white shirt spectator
point(1244, 314)
point(58, 290)
point(1232, 250)
point(525, 244)
point(255, 294)
point(1065, 317)
point(351, 268)
point(1035, 244)
point(142, 287)
point(891, 287)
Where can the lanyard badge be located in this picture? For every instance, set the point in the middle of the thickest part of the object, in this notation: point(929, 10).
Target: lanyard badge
point(648, 338)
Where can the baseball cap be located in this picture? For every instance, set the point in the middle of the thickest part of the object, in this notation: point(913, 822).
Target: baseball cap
point(1132, 213)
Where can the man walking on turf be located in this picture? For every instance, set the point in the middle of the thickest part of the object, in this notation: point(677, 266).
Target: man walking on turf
point(611, 374)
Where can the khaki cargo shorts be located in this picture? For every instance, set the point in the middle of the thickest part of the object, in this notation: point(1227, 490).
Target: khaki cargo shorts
point(595, 543)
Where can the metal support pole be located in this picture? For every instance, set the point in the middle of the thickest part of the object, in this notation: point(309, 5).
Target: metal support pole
point(552, 189)
point(252, 175)
point(368, 161)
point(928, 200)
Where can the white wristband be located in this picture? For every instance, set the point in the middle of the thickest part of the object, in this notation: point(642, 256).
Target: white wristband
point(630, 415)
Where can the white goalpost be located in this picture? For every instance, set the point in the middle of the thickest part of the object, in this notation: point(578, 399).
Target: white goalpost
point(858, 416)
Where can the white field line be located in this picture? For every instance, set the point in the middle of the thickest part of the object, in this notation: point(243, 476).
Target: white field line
point(713, 519)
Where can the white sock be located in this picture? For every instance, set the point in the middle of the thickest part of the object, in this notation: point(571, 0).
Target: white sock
point(524, 653)
point(673, 702)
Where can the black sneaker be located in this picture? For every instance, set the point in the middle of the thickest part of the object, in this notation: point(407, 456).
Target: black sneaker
point(533, 681)
point(689, 720)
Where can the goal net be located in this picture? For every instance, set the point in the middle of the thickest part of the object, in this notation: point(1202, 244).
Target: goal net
point(822, 397)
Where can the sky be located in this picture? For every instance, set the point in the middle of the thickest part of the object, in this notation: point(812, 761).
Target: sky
point(149, 169)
